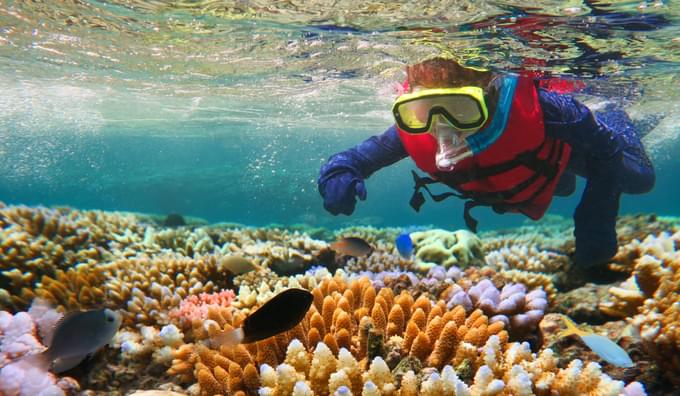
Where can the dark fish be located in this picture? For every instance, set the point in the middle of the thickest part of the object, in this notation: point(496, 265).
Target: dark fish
point(404, 245)
point(174, 220)
point(352, 246)
point(76, 336)
point(281, 313)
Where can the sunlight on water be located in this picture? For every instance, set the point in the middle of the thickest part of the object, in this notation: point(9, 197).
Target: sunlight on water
point(246, 100)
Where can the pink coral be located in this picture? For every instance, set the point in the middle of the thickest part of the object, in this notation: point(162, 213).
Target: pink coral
point(195, 307)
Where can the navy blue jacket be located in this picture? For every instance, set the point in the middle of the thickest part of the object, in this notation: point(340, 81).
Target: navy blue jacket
point(606, 150)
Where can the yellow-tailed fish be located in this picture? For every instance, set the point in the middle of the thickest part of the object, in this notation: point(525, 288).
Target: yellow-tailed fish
point(76, 336)
point(281, 313)
point(352, 246)
point(605, 348)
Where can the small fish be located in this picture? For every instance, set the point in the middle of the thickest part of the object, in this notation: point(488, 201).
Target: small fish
point(174, 220)
point(404, 245)
point(238, 265)
point(605, 348)
point(76, 336)
point(281, 313)
point(352, 246)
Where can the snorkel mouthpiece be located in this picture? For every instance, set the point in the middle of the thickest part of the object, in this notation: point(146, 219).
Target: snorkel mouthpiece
point(451, 148)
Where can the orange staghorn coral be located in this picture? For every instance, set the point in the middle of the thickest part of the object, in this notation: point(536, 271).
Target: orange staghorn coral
point(427, 335)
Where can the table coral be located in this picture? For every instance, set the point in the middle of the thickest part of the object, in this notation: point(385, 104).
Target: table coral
point(148, 288)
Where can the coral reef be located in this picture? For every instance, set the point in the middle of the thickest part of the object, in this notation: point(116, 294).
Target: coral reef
point(531, 266)
point(443, 322)
point(657, 276)
point(351, 315)
point(38, 242)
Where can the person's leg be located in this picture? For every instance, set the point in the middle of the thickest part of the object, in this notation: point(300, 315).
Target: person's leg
point(636, 172)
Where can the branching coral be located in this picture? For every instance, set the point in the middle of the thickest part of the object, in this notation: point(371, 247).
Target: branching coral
point(41, 241)
point(652, 261)
point(509, 370)
point(658, 278)
point(355, 316)
point(529, 265)
point(147, 287)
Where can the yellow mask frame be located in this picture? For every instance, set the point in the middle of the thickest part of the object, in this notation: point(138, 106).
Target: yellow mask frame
point(464, 108)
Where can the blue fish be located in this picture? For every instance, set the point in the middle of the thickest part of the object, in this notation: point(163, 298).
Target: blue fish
point(404, 245)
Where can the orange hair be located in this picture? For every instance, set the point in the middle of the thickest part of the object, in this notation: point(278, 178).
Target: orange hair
point(445, 73)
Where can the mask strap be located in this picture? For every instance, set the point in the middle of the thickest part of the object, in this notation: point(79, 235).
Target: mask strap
point(484, 138)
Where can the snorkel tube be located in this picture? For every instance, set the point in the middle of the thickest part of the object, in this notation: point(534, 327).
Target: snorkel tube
point(452, 146)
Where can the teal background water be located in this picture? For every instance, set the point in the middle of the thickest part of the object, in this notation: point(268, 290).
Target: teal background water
point(226, 111)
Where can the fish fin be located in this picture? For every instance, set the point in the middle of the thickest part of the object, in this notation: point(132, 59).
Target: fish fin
point(572, 328)
point(228, 338)
point(66, 363)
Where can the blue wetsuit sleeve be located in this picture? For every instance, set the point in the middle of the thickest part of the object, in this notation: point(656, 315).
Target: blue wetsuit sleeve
point(596, 156)
point(370, 155)
point(341, 179)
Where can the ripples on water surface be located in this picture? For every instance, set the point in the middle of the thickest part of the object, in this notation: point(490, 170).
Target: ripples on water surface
point(159, 106)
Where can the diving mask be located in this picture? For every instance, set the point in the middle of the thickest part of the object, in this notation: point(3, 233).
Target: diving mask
point(464, 108)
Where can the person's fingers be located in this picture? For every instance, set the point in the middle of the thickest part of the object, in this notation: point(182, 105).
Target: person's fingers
point(360, 189)
point(331, 209)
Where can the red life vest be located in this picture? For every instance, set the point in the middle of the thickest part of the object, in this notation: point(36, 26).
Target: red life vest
point(516, 173)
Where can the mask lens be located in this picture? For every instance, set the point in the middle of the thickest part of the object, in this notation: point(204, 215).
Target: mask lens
point(462, 111)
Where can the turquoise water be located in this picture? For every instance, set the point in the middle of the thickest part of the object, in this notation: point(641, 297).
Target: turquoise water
point(226, 111)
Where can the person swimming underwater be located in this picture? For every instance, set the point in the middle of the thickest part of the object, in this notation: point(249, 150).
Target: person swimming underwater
point(502, 141)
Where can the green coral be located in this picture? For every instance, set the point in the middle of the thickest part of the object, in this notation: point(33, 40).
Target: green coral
point(461, 248)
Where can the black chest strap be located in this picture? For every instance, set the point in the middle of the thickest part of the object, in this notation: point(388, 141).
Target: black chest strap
point(418, 199)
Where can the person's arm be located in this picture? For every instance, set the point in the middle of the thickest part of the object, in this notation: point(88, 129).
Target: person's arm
point(599, 149)
point(342, 176)
point(370, 155)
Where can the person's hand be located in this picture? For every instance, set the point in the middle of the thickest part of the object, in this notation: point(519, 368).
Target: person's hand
point(339, 191)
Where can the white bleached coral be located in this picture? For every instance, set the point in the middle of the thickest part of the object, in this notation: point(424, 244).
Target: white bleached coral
point(501, 369)
point(19, 338)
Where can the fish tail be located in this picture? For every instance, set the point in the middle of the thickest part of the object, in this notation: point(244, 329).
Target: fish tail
point(227, 338)
point(572, 328)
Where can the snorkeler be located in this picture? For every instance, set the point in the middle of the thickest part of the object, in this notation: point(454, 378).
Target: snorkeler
point(505, 142)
